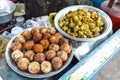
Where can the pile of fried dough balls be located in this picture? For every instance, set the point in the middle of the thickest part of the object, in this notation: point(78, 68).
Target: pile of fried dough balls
point(82, 23)
point(40, 50)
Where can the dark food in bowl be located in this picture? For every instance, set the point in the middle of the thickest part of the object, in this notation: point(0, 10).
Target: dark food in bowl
point(82, 23)
point(42, 56)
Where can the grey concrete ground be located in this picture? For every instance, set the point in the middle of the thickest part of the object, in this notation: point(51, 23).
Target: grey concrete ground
point(111, 71)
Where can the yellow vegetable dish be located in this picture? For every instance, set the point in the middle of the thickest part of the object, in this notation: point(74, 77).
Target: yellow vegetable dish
point(82, 23)
point(18, 13)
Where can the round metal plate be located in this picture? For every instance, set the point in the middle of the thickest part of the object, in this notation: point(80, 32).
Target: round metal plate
point(13, 65)
point(105, 17)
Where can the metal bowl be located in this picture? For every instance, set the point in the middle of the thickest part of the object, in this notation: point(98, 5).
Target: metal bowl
point(14, 67)
point(105, 17)
point(6, 11)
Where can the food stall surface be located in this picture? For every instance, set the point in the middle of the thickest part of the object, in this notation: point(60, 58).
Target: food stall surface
point(111, 71)
point(99, 57)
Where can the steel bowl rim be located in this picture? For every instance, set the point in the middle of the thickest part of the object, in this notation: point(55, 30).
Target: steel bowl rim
point(106, 17)
point(11, 10)
point(25, 74)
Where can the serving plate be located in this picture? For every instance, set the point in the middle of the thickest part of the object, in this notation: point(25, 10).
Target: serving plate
point(14, 67)
point(105, 17)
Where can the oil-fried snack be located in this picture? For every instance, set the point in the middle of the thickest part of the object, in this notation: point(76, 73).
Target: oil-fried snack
point(54, 39)
point(29, 54)
point(66, 47)
point(28, 45)
point(34, 67)
point(63, 55)
point(27, 34)
point(45, 43)
point(38, 48)
point(43, 29)
point(56, 63)
point(64, 40)
point(46, 67)
point(35, 30)
point(51, 30)
point(59, 35)
point(37, 37)
point(46, 35)
point(39, 57)
point(54, 47)
point(16, 55)
point(16, 46)
point(50, 54)
point(20, 39)
point(23, 64)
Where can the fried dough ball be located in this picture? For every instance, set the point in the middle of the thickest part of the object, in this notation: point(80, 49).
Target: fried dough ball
point(34, 67)
point(50, 54)
point(37, 37)
point(35, 30)
point(29, 54)
point(16, 46)
point(27, 34)
point(65, 47)
point(28, 45)
point(63, 55)
point(20, 39)
point(54, 39)
point(56, 63)
point(16, 55)
point(23, 63)
point(63, 40)
point(54, 47)
point(59, 35)
point(38, 48)
point(51, 30)
point(46, 35)
point(39, 57)
point(45, 43)
point(46, 67)
point(43, 30)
